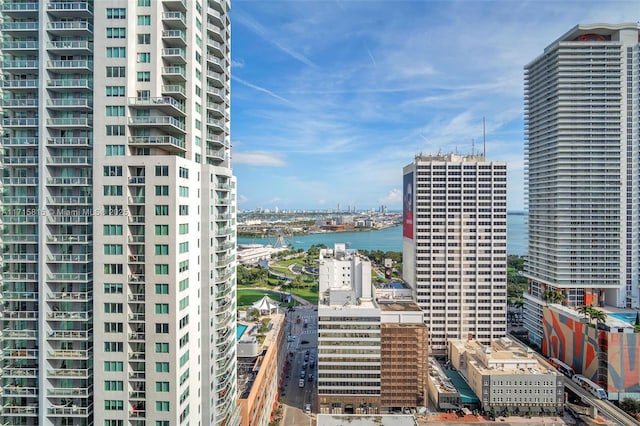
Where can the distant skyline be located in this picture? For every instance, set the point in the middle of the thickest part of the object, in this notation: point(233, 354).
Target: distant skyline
point(330, 99)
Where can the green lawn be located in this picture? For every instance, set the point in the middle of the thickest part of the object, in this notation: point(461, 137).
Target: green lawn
point(310, 294)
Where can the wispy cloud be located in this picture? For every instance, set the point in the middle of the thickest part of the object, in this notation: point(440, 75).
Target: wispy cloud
point(260, 89)
point(270, 37)
point(259, 159)
point(355, 91)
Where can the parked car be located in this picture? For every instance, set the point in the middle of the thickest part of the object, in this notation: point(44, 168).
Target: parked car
point(291, 338)
point(301, 383)
point(307, 408)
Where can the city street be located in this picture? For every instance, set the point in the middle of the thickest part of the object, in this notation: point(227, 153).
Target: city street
point(304, 346)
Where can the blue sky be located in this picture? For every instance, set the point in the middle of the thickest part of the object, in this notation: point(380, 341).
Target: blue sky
point(330, 99)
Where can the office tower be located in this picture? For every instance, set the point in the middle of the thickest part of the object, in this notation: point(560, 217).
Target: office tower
point(372, 342)
point(119, 214)
point(582, 155)
point(455, 245)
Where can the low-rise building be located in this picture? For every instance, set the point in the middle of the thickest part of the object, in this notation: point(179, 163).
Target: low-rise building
point(506, 377)
point(261, 358)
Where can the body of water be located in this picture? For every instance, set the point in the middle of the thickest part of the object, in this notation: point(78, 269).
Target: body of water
point(390, 239)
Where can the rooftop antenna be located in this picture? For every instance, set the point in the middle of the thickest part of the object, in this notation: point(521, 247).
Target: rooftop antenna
point(484, 139)
point(473, 146)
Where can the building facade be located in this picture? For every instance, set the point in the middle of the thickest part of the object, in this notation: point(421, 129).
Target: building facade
point(582, 138)
point(260, 370)
point(348, 335)
point(455, 245)
point(606, 353)
point(118, 214)
point(404, 354)
point(507, 378)
point(372, 343)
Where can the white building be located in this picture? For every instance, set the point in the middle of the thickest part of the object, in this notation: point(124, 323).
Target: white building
point(455, 245)
point(348, 334)
point(582, 160)
point(119, 213)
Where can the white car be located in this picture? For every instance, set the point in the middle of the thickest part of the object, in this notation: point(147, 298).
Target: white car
point(301, 383)
point(291, 338)
point(307, 408)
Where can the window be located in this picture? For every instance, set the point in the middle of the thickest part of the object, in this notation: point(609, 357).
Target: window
point(116, 52)
point(162, 308)
point(184, 284)
point(114, 130)
point(116, 72)
point(162, 190)
point(183, 303)
point(113, 385)
point(113, 308)
point(183, 210)
point(163, 422)
point(162, 269)
point(144, 3)
point(115, 91)
point(184, 173)
point(144, 20)
point(184, 228)
point(143, 76)
point(113, 366)
point(162, 386)
point(113, 268)
point(162, 348)
point(184, 358)
point(112, 190)
point(183, 191)
point(162, 405)
point(162, 288)
point(162, 229)
point(162, 327)
point(162, 249)
point(144, 38)
point(114, 404)
point(116, 32)
point(113, 327)
point(162, 210)
point(112, 288)
point(162, 367)
point(110, 249)
point(113, 210)
point(112, 229)
point(144, 57)
point(114, 111)
point(110, 422)
point(116, 13)
point(162, 170)
point(183, 247)
point(113, 346)
point(112, 171)
point(113, 150)
point(183, 266)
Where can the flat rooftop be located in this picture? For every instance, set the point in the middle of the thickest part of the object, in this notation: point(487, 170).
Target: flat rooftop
point(366, 420)
point(398, 306)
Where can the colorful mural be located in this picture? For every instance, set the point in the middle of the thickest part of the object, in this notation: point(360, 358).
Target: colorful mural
point(585, 348)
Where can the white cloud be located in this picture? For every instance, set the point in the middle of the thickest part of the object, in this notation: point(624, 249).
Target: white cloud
point(394, 197)
point(257, 158)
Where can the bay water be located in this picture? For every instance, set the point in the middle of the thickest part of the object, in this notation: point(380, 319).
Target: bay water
point(390, 239)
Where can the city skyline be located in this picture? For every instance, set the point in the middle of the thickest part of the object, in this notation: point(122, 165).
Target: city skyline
point(332, 99)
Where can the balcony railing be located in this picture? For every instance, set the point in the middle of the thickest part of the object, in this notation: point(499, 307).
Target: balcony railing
point(70, 45)
point(70, 25)
point(157, 140)
point(158, 120)
point(20, 84)
point(70, 141)
point(19, 7)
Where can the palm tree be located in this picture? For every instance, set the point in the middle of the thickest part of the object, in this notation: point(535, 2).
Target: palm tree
point(584, 310)
point(600, 317)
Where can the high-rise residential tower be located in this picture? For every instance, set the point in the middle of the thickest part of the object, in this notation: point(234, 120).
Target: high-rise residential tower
point(455, 245)
point(582, 155)
point(118, 202)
